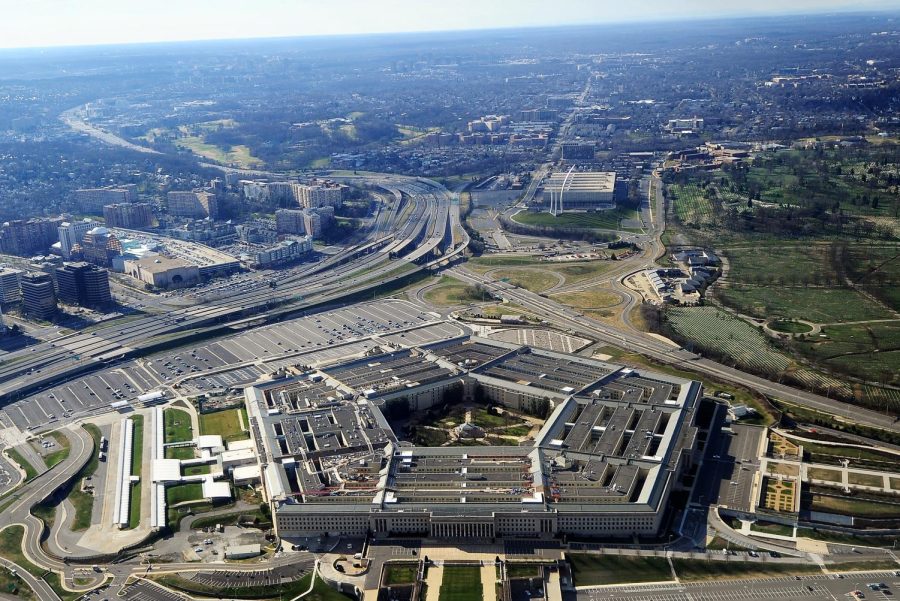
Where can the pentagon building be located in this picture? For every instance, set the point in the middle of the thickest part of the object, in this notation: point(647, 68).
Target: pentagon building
point(604, 463)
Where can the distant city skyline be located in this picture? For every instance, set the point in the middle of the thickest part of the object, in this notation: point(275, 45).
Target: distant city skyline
point(44, 23)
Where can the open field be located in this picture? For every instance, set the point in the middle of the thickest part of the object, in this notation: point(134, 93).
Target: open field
point(179, 493)
point(461, 583)
point(689, 570)
point(818, 473)
point(399, 573)
point(607, 220)
point(690, 204)
point(134, 518)
point(816, 304)
point(772, 528)
point(590, 570)
point(536, 280)
point(870, 350)
point(177, 425)
point(589, 299)
point(789, 327)
point(484, 264)
point(61, 450)
point(226, 423)
point(451, 291)
point(30, 471)
point(579, 271)
point(82, 501)
point(237, 155)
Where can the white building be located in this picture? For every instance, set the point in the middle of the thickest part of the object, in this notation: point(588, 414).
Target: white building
point(73, 233)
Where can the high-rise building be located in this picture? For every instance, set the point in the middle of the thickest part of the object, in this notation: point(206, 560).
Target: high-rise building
point(26, 238)
point(10, 292)
point(38, 295)
point(99, 246)
point(306, 221)
point(73, 233)
point(320, 194)
point(92, 200)
point(198, 205)
point(289, 221)
point(128, 215)
point(83, 284)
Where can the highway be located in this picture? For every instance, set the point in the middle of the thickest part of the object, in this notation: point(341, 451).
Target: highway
point(419, 236)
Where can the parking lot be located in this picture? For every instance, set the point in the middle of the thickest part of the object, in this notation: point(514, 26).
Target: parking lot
point(9, 477)
point(319, 334)
point(76, 398)
point(298, 568)
point(787, 587)
point(144, 591)
point(545, 339)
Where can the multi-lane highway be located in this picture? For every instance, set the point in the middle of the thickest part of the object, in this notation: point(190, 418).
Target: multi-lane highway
point(418, 236)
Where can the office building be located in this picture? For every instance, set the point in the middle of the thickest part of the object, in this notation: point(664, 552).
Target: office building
point(128, 216)
point(38, 296)
point(83, 284)
point(29, 237)
point(577, 151)
point(10, 292)
point(99, 246)
point(198, 205)
point(580, 190)
point(616, 443)
point(92, 200)
point(72, 233)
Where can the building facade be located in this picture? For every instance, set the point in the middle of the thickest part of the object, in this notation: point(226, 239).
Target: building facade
point(10, 291)
point(38, 296)
point(92, 200)
point(197, 205)
point(72, 233)
point(128, 215)
point(83, 284)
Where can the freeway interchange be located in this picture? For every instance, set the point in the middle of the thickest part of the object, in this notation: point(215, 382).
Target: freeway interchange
point(424, 233)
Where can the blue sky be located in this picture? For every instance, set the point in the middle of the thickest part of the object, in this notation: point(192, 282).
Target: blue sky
point(29, 23)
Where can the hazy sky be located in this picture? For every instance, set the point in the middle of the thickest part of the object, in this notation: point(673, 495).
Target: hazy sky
point(74, 22)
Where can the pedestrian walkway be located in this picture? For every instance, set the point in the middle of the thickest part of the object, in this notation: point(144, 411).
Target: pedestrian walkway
point(433, 579)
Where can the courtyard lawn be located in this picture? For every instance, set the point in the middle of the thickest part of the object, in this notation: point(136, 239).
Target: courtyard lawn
point(177, 425)
point(590, 570)
point(226, 423)
point(461, 583)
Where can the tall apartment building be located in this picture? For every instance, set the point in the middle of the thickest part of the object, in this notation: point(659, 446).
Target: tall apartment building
point(10, 291)
point(38, 295)
point(83, 284)
point(320, 194)
point(73, 233)
point(198, 205)
point(306, 221)
point(26, 238)
point(92, 200)
point(128, 215)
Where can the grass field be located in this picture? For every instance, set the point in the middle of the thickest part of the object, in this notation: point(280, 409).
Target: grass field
point(690, 570)
point(589, 299)
point(855, 507)
point(579, 271)
point(865, 479)
point(848, 539)
point(60, 452)
point(11, 549)
point(15, 586)
point(591, 570)
point(320, 591)
point(30, 471)
point(451, 291)
point(238, 155)
point(869, 351)
point(400, 573)
point(137, 456)
point(177, 425)
point(461, 583)
point(772, 528)
point(818, 473)
point(691, 205)
point(84, 502)
point(485, 264)
point(606, 220)
point(536, 280)
point(179, 493)
point(789, 327)
point(226, 423)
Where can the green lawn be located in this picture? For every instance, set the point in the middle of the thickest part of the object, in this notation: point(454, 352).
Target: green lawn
point(865, 479)
point(60, 452)
point(137, 455)
point(177, 425)
point(692, 570)
point(11, 549)
point(536, 280)
point(772, 528)
point(461, 583)
point(789, 327)
point(451, 291)
point(15, 586)
point(589, 570)
point(607, 220)
point(179, 453)
point(179, 493)
point(855, 507)
point(486, 263)
point(196, 470)
point(226, 423)
point(30, 472)
point(399, 573)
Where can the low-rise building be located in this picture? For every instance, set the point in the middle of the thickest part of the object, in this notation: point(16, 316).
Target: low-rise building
point(163, 272)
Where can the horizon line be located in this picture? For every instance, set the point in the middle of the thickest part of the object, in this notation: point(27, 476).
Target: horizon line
point(834, 12)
